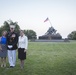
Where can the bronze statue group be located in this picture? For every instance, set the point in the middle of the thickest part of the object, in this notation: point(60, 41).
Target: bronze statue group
point(10, 43)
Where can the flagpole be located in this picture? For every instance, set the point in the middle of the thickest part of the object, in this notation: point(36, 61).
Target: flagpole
point(50, 22)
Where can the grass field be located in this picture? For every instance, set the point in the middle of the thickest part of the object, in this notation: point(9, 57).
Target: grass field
point(46, 58)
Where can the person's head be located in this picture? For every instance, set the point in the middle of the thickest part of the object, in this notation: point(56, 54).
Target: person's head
point(21, 32)
point(12, 28)
point(4, 33)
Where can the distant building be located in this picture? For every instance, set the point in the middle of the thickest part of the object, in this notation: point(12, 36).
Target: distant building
point(51, 34)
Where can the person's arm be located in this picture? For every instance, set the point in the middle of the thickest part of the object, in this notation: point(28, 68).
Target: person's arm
point(26, 44)
point(0, 44)
point(7, 39)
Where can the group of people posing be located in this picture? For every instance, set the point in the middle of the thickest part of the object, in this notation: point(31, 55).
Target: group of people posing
point(9, 43)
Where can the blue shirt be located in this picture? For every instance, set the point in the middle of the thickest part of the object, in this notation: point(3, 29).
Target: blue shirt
point(3, 40)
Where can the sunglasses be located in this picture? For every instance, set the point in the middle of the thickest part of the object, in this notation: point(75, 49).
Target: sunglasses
point(11, 28)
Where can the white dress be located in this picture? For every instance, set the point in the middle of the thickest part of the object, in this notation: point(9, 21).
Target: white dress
point(22, 45)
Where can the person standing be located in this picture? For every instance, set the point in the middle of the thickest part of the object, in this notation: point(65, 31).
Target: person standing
point(12, 40)
point(22, 48)
point(3, 49)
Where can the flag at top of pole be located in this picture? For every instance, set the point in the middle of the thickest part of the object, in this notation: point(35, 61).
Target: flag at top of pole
point(46, 19)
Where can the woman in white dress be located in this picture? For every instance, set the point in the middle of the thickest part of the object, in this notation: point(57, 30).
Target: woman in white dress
point(22, 48)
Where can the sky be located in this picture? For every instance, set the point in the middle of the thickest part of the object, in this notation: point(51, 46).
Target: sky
point(30, 14)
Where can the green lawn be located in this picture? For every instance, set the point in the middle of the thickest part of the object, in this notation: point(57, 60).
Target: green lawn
point(47, 58)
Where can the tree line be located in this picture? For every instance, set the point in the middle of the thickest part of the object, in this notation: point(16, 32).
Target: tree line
point(29, 33)
point(72, 35)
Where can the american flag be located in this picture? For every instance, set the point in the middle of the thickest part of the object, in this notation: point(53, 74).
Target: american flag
point(46, 19)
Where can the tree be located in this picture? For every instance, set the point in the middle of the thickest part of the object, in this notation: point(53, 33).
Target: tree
point(30, 34)
point(6, 26)
point(72, 35)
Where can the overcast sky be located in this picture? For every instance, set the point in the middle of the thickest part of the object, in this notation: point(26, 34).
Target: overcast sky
point(30, 14)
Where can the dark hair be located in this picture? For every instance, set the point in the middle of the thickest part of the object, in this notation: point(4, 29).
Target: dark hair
point(22, 31)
